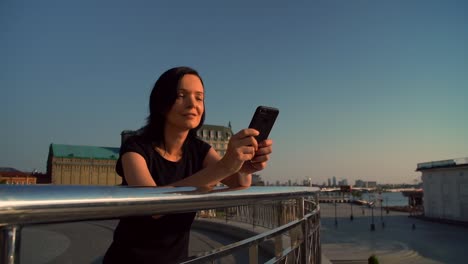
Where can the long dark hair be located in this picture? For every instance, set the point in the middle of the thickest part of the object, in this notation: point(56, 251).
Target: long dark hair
point(162, 98)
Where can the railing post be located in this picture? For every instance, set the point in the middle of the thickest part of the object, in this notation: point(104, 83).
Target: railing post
point(305, 230)
point(254, 215)
point(318, 255)
point(253, 254)
point(278, 238)
point(226, 214)
point(10, 241)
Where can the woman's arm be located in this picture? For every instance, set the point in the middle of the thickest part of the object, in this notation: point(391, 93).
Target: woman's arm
point(234, 180)
point(241, 147)
point(136, 170)
point(243, 178)
point(243, 157)
point(137, 174)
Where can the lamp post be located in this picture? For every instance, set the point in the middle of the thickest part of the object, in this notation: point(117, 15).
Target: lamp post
point(386, 201)
point(381, 213)
point(351, 217)
point(372, 226)
point(336, 220)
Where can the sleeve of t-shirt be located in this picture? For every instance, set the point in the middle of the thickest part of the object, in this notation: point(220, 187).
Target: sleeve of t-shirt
point(132, 144)
point(203, 149)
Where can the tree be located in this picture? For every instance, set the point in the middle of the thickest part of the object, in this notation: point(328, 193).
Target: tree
point(356, 194)
point(372, 260)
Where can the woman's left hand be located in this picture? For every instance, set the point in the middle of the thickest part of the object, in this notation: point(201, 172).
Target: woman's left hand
point(259, 162)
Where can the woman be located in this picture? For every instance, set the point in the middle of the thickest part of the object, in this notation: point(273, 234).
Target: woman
point(168, 153)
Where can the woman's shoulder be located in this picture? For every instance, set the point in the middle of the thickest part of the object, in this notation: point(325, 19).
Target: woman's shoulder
point(199, 146)
point(136, 142)
point(197, 142)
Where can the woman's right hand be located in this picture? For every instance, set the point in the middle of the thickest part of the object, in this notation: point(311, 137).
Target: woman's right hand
point(241, 147)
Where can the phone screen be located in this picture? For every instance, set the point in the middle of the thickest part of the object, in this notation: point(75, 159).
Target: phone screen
point(263, 120)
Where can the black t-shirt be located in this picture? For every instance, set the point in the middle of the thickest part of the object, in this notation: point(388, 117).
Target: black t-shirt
point(143, 239)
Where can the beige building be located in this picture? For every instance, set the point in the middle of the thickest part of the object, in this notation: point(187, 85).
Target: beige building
point(445, 185)
point(82, 165)
point(217, 136)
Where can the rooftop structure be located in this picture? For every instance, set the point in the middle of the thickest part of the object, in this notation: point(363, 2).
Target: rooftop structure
point(442, 164)
point(85, 152)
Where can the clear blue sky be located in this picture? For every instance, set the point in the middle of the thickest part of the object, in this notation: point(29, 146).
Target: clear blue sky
point(366, 89)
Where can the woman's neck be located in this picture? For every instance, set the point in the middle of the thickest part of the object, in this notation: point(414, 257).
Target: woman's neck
point(173, 142)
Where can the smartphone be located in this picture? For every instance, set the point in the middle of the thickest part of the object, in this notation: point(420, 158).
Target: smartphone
point(263, 120)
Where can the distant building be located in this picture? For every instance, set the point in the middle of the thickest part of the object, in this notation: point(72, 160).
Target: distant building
point(257, 180)
point(365, 184)
point(445, 185)
point(217, 136)
point(334, 181)
point(82, 165)
point(329, 182)
point(359, 183)
point(13, 176)
point(307, 182)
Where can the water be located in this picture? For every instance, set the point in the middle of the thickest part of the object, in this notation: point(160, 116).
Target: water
point(389, 198)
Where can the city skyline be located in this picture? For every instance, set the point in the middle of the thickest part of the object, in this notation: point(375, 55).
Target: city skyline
point(365, 89)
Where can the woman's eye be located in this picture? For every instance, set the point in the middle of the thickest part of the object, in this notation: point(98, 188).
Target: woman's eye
point(199, 98)
point(181, 95)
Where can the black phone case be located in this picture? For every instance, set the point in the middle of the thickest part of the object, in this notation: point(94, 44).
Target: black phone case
point(263, 121)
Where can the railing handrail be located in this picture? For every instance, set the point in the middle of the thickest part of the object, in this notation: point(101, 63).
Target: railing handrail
point(33, 204)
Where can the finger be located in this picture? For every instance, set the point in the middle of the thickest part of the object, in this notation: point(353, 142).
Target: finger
point(260, 159)
point(265, 143)
point(248, 141)
point(250, 150)
point(246, 153)
point(254, 143)
point(247, 132)
point(258, 165)
point(264, 151)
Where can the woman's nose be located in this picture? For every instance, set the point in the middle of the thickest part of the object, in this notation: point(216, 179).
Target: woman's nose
point(190, 101)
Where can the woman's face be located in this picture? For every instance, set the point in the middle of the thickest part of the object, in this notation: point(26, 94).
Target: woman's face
point(189, 105)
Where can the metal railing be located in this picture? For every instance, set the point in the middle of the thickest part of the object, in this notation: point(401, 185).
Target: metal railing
point(291, 222)
point(269, 215)
point(37, 204)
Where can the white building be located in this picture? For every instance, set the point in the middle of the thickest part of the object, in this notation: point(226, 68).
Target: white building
point(445, 185)
point(217, 136)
